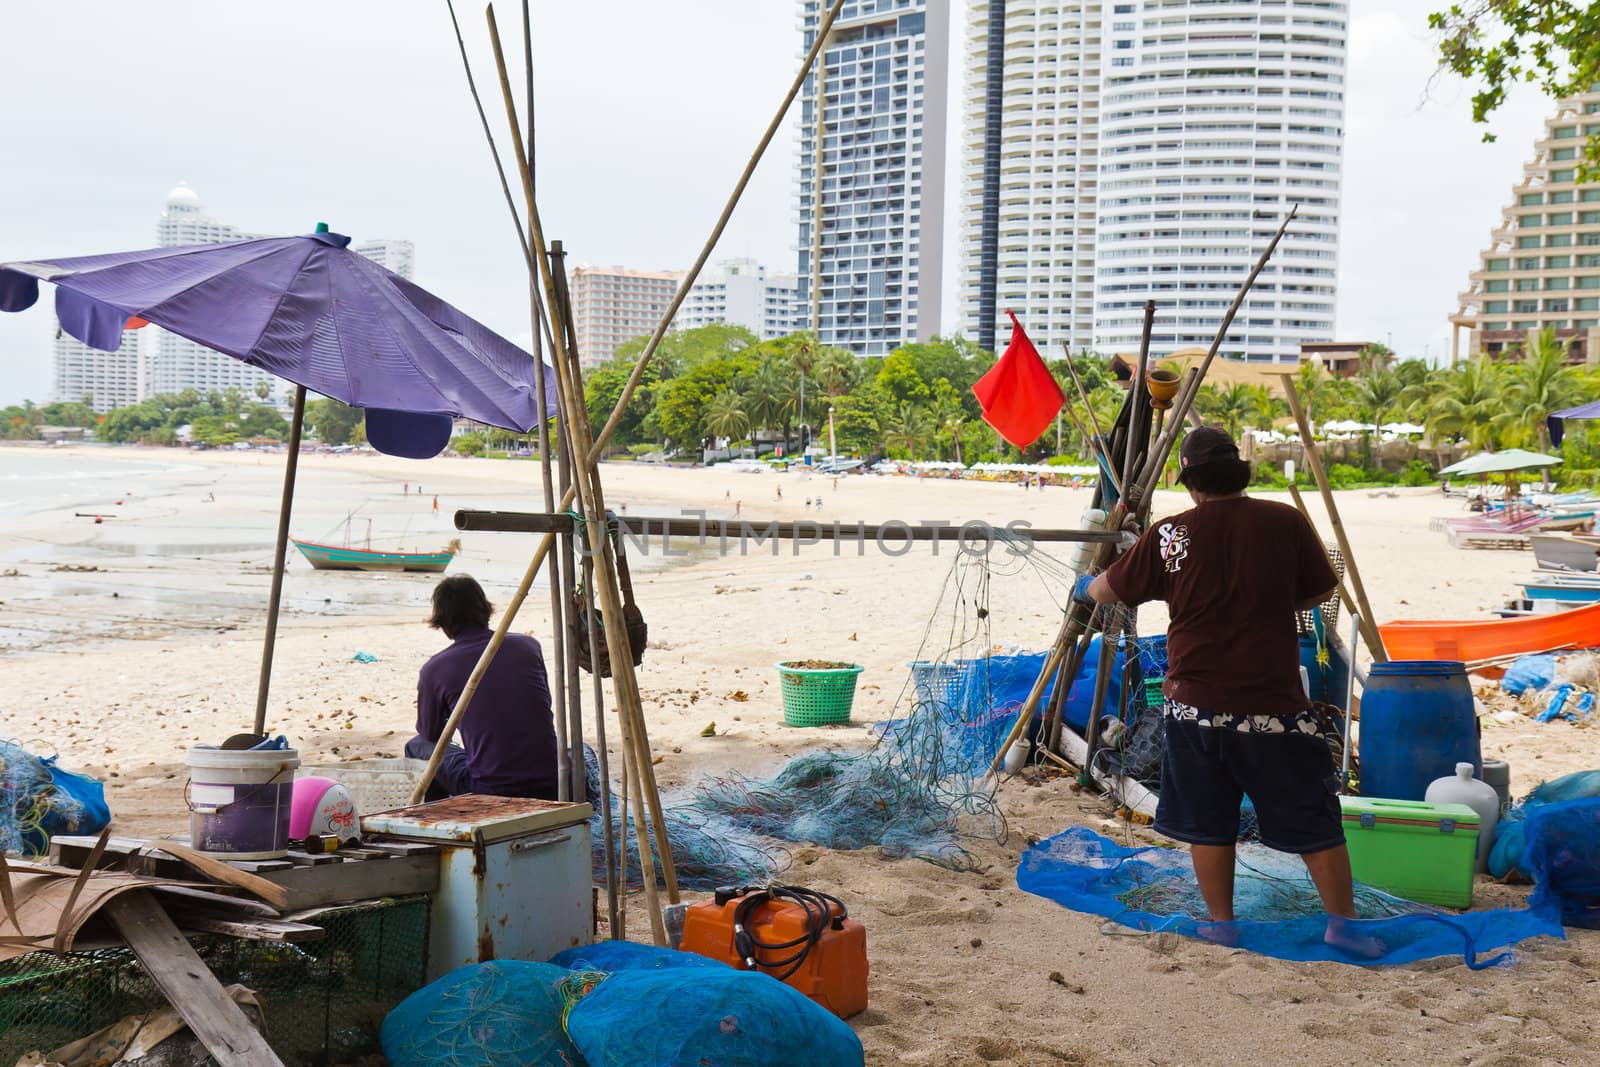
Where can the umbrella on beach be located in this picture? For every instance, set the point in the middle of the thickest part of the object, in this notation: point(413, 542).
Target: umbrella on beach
point(1556, 419)
point(1512, 459)
point(309, 310)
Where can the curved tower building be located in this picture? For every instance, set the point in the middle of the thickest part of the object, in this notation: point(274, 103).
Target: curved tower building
point(1168, 164)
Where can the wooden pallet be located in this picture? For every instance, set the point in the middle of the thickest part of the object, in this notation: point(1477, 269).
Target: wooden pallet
point(313, 879)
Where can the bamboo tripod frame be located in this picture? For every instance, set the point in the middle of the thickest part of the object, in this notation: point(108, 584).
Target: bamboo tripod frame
point(1077, 624)
point(587, 451)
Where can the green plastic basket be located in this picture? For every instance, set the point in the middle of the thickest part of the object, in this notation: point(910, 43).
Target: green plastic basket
point(1153, 697)
point(817, 696)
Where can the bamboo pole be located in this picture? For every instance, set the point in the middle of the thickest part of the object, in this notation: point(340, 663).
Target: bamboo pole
point(1344, 591)
point(1158, 455)
point(602, 757)
point(279, 558)
point(1369, 629)
point(1137, 500)
point(545, 544)
point(1136, 393)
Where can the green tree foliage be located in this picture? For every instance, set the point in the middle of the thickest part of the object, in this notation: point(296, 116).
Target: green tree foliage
point(334, 423)
point(1496, 44)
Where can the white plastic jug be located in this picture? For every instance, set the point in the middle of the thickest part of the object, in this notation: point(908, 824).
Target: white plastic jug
point(1463, 788)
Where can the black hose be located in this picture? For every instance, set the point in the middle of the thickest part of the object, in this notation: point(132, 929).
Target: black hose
point(818, 907)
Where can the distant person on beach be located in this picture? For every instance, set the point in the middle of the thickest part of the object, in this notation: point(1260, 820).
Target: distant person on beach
point(738, 506)
point(780, 492)
point(508, 739)
point(1233, 571)
point(436, 505)
point(405, 488)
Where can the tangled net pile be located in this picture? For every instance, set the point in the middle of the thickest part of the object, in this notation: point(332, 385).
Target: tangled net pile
point(922, 788)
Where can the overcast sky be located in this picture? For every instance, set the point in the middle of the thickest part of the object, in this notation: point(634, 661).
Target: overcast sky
point(355, 113)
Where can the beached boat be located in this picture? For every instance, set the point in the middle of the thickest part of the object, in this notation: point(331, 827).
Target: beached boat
point(1564, 552)
point(345, 558)
point(1477, 639)
point(1562, 588)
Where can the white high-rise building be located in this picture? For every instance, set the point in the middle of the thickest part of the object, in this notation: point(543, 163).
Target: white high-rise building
point(1176, 160)
point(1031, 123)
point(110, 379)
point(870, 173)
point(741, 292)
point(180, 363)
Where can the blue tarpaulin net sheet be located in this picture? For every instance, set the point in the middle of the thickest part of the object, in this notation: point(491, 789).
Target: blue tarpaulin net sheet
point(1153, 889)
point(1563, 857)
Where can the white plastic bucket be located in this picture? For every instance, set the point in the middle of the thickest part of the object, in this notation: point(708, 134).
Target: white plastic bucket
point(239, 801)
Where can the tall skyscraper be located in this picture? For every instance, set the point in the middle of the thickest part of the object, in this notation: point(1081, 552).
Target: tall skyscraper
point(1147, 150)
point(1542, 267)
point(611, 305)
point(180, 363)
point(741, 292)
point(870, 188)
point(110, 379)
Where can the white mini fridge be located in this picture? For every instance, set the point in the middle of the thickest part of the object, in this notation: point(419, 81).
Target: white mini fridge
point(514, 876)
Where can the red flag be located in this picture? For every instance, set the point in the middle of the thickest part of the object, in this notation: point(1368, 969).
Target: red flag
point(1019, 396)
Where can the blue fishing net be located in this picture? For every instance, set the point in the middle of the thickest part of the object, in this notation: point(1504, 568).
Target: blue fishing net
point(1563, 857)
point(916, 792)
point(486, 1015)
point(612, 956)
point(1153, 890)
point(1511, 835)
point(39, 800)
point(714, 1017)
point(707, 852)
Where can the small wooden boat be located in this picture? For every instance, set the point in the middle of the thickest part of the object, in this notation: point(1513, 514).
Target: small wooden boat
point(1475, 639)
point(1558, 552)
point(345, 558)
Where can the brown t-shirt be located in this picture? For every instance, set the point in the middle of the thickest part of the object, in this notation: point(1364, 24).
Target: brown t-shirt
point(1231, 572)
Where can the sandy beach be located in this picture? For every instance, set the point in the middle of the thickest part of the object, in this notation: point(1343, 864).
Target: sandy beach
point(151, 643)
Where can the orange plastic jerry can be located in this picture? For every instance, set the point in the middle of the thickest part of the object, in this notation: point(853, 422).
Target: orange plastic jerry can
point(801, 937)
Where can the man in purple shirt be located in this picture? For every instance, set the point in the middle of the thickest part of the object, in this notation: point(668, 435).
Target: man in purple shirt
point(508, 740)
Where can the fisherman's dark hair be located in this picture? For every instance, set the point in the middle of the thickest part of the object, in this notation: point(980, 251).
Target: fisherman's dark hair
point(459, 605)
point(1222, 477)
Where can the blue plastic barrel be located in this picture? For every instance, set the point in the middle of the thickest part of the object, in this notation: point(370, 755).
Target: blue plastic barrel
point(1417, 723)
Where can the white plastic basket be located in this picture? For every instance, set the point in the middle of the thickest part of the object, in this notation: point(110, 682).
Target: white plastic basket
point(375, 784)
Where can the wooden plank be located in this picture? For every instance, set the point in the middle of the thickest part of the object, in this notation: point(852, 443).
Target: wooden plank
point(217, 903)
point(401, 848)
point(359, 853)
point(251, 930)
point(218, 871)
point(342, 883)
point(260, 866)
point(191, 989)
point(121, 853)
point(313, 859)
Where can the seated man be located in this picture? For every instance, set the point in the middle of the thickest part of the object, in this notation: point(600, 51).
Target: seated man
point(508, 740)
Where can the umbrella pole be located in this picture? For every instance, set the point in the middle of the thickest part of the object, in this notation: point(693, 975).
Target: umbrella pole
point(278, 557)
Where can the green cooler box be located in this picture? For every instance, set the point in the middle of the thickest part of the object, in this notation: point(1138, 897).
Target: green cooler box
point(1422, 852)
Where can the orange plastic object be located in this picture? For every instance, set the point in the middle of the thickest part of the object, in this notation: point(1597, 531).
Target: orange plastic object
point(834, 973)
point(1487, 638)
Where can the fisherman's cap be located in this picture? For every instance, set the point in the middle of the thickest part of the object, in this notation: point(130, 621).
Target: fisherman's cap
point(1206, 445)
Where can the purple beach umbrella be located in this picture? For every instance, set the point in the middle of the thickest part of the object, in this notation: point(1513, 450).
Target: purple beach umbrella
point(308, 310)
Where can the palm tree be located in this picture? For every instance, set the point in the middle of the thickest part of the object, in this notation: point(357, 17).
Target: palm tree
point(726, 416)
point(803, 353)
point(1541, 383)
point(907, 429)
point(836, 371)
point(1377, 392)
point(1231, 405)
point(764, 398)
point(263, 390)
point(1463, 402)
point(1314, 385)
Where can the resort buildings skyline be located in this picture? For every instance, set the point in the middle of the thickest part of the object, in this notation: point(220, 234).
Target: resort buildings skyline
point(1542, 266)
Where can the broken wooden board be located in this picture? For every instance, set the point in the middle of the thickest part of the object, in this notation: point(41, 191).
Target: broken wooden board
point(191, 989)
point(359, 878)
